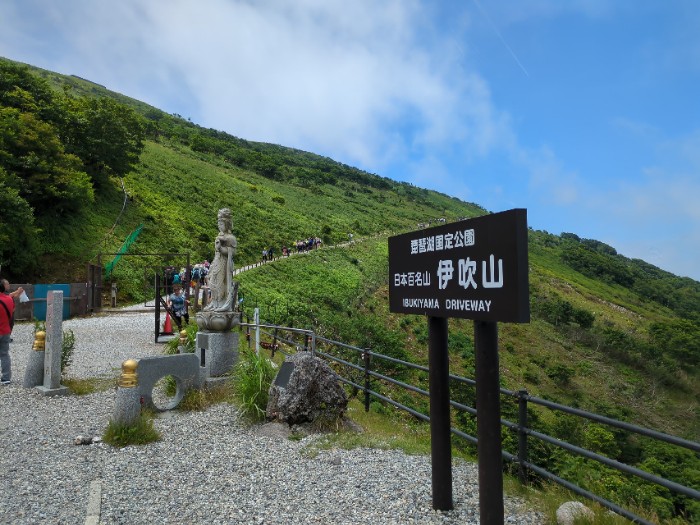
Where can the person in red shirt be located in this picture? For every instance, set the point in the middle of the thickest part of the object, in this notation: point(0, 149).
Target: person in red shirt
point(7, 309)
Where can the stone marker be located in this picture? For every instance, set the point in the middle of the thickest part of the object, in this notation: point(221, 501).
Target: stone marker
point(127, 406)
point(34, 373)
point(54, 343)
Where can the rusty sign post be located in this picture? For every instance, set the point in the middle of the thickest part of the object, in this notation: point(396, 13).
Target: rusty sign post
point(473, 269)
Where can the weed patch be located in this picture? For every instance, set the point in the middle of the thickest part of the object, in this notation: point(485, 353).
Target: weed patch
point(141, 432)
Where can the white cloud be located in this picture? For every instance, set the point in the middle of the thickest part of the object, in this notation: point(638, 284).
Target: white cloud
point(383, 86)
point(364, 82)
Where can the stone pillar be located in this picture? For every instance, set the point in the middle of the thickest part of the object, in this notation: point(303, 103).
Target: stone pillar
point(54, 343)
point(34, 373)
point(127, 406)
point(217, 352)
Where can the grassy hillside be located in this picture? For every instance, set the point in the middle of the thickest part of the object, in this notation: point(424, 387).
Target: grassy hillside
point(592, 308)
point(609, 334)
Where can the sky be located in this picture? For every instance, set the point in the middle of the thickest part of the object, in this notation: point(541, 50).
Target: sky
point(584, 112)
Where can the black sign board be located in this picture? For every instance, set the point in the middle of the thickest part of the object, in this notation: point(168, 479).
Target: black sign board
point(472, 269)
point(284, 374)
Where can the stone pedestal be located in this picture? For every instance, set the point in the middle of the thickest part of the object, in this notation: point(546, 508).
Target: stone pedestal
point(215, 321)
point(217, 352)
point(34, 373)
point(127, 406)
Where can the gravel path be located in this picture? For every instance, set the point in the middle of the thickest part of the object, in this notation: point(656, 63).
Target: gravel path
point(208, 468)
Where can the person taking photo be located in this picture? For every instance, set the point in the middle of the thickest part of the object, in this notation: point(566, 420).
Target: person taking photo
point(7, 312)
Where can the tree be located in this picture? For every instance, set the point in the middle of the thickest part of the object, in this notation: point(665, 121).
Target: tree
point(679, 338)
point(18, 234)
point(21, 89)
point(37, 166)
point(106, 135)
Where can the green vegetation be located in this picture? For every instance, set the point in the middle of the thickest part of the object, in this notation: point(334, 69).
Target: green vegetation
point(251, 382)
point(172, 346)
point(141, 432)
point(381, 428)
point(581, 349)
point(84, 387)
point(201, 399)
point(608, 334)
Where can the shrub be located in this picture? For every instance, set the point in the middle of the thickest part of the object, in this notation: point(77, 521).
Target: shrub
point(560, 374)
point(252, 379)
point(67, 347)
point(172, 346)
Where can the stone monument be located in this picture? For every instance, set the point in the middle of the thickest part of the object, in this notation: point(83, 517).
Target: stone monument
point(53, 346)
point(217, 344)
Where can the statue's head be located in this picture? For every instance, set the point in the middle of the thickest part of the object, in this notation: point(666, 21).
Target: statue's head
point(224, 218)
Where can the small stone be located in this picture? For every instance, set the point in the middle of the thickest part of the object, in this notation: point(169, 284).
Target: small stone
point(568, 512)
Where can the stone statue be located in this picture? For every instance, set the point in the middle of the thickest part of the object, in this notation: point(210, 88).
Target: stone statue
point(218, 314)
point(220, 275)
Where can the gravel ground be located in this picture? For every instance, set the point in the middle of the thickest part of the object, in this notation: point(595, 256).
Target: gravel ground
point(209, 466)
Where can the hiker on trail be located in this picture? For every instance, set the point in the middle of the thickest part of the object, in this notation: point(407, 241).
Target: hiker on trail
point(177, 304)
point(7, 310)
point(220, 277)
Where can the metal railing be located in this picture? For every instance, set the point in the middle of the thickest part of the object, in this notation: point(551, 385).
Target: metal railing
point(312, 343)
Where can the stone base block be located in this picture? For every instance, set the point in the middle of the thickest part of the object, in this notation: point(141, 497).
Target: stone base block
point(214, 382)
point(217, 352)
point(59, 391)
point(34, 373)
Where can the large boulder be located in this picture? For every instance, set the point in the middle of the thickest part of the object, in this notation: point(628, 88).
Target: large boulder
point(306, 390)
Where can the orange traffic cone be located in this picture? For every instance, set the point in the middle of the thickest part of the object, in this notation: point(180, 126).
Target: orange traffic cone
point(168, 325)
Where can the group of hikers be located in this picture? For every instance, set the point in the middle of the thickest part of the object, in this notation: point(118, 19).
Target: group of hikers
point(305, 245)
point(175, 281)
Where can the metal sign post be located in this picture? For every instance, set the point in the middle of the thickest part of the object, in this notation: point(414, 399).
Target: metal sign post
point(473, 269)
point(488, 423)
point(440, 435)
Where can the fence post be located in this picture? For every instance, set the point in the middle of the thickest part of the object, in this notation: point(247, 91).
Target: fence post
point(365, 357)
point(522, 435)
point(306, 342)
point(256, 321)
point(274, 343)
point(313, 343)
point(247, 330)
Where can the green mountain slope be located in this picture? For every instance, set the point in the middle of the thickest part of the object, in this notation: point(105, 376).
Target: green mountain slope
point(609, 334)
point(586, 298)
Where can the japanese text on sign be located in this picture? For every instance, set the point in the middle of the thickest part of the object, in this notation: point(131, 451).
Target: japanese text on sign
point(447, 241)
point(474, 269)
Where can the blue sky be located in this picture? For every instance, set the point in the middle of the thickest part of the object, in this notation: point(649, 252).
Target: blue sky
point(585, 112)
